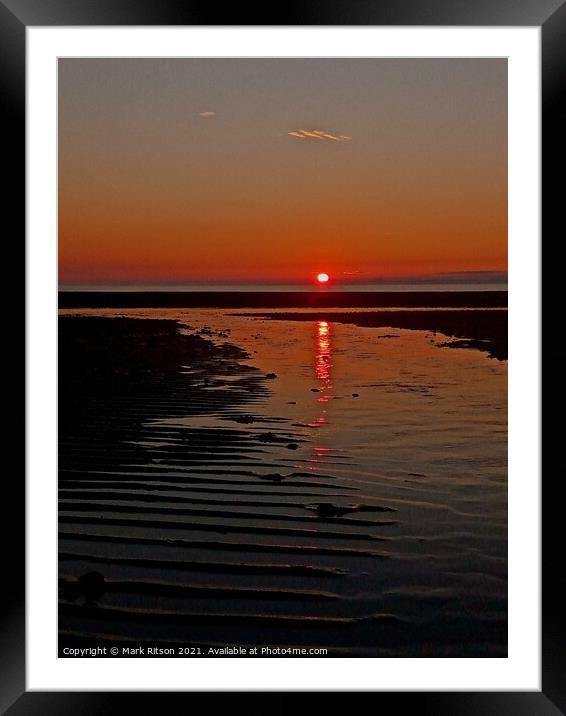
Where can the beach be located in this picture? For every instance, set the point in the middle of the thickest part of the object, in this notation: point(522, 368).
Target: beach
point(262, 299)
point(247, 475)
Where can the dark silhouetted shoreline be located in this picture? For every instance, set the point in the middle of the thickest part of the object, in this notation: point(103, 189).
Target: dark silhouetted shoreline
point(282, 299)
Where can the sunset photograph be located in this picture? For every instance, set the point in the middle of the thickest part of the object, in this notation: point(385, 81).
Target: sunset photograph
point(282, 357)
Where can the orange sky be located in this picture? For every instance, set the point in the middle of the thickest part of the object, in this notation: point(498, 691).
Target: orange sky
point(175, 171)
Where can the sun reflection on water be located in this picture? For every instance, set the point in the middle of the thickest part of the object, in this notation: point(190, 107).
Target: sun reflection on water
point(323, 359)
point(322, 369)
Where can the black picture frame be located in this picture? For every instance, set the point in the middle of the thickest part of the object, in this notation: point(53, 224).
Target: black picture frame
point(15, 17)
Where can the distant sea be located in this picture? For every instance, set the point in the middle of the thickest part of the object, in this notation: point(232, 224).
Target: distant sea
point(301, 287)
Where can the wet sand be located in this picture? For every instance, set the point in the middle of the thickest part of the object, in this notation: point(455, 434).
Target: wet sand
point(186, 517)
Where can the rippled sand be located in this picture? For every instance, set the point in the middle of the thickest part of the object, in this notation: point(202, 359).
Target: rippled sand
point(342, 487)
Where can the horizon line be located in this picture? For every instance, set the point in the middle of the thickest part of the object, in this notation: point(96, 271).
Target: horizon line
point(451, 278)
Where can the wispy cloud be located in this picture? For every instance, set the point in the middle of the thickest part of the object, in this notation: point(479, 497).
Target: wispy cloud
point(319, 134)
point(207, 114)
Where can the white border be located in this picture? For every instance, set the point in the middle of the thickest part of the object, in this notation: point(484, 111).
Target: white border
point(521, 670)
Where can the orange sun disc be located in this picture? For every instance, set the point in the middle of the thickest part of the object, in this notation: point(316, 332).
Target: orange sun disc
point(322, 277)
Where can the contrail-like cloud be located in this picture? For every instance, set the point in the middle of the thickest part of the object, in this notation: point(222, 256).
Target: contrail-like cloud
point(319, 134)
point(207, 114)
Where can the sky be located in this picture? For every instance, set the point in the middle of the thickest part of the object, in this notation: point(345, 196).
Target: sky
point(178, 171)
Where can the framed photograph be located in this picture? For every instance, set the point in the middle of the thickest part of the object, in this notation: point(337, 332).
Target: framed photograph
point(283, 314)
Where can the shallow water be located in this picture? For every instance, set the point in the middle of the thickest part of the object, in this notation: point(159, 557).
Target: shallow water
point(381, 418)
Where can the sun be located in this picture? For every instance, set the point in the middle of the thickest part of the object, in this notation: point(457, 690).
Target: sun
point(322, 277)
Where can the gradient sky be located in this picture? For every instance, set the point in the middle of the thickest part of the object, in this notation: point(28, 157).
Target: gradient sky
point(187, 170)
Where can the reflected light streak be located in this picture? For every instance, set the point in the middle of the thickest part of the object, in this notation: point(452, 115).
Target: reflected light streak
point(322, 368)
point(323, 359)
